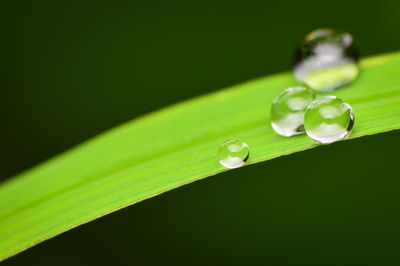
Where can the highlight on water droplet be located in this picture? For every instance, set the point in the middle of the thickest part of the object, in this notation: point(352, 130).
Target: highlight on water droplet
point(328, 119)
point(233, 153)
point(326, 60)
point(287, 110)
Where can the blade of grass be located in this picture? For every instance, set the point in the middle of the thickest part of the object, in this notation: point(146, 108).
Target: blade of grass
point(173, 147)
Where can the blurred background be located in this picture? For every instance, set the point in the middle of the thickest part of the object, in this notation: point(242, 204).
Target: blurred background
point(70, 70)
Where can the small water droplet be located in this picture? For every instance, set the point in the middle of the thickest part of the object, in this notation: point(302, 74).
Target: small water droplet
point(328, 119)
point(326, 60)
point(287, 110)
point(233, 153)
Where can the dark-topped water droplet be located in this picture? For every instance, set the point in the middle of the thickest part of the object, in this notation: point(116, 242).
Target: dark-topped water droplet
point(326, 60)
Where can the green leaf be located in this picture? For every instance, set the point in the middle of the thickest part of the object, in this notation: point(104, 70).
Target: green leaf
point(173, 147)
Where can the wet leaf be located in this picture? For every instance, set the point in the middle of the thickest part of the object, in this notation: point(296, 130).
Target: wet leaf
point(173, 147)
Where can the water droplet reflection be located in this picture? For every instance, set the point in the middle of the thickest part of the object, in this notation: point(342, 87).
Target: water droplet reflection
point(233, 153)
point(328, 119)
point(326, 60)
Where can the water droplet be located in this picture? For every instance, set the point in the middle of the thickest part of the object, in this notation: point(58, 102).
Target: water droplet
point(287, 110)
point(326, 60)
point(233, 153)
point(328, 119)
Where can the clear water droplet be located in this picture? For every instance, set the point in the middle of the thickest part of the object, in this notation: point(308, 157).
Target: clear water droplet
point(233, 153)
point(328, 119)
point(287, 110)
point(326, 60)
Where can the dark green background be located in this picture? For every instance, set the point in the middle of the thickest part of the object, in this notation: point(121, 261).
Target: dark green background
point(70, 70)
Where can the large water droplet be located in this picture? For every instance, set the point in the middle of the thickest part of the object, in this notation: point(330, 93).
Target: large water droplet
point(326, 60)
point(287, 110)
point(233, 153)
point(328, 119)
